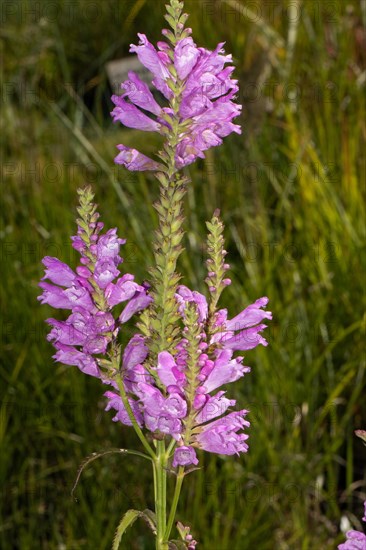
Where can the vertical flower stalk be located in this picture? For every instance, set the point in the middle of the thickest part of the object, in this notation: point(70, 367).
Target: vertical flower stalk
point(160, 322)
point(162, 382)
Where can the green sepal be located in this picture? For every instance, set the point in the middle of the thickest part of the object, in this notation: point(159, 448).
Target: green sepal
point(183, 18)
point(82, 224)
point(170, 10)
point(170, 36)
point(172, 71)
point(171, 21)
point(172, 85)
point(167, 117)
point(185, 34)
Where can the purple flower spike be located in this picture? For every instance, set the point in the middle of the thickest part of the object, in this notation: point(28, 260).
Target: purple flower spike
point(184, 456)
point(90, 295)
point(206, 109)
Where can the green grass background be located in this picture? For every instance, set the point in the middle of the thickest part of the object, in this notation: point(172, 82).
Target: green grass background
point(291, 192)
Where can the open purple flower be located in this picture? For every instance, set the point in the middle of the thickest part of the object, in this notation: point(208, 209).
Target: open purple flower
point(184, 456)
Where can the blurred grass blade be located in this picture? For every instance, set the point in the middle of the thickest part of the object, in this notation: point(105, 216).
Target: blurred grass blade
point(95, 456)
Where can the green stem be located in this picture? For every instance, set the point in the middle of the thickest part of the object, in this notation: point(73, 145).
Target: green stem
point(170, 448)
point(133, 419)
point(173, 509)
point(160, 495)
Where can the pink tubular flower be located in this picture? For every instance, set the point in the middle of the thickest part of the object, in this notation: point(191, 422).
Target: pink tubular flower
point(115, 402)
point(58, 272)
point(131, 116)
point(135, 161)
point(222, 436)
point(139, 94)
point(156, 62)
point(206, 109)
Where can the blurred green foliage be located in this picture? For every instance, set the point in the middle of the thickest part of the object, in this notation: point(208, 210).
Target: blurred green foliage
point(291, 192)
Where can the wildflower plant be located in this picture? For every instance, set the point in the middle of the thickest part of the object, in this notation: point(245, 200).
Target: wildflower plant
point(167, 381)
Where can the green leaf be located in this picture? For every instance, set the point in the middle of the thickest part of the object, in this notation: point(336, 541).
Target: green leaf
point(177, 545)
point(150, 517)
point(128, 519)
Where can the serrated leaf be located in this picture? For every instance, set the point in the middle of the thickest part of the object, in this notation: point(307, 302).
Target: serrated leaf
point(127, 520)
point(150, 518)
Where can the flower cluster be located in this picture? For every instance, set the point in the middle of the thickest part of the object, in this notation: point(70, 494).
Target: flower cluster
point(91, 293)
point(355, 539)
point(205, 108)
point(167, 401)
point(185, 533)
